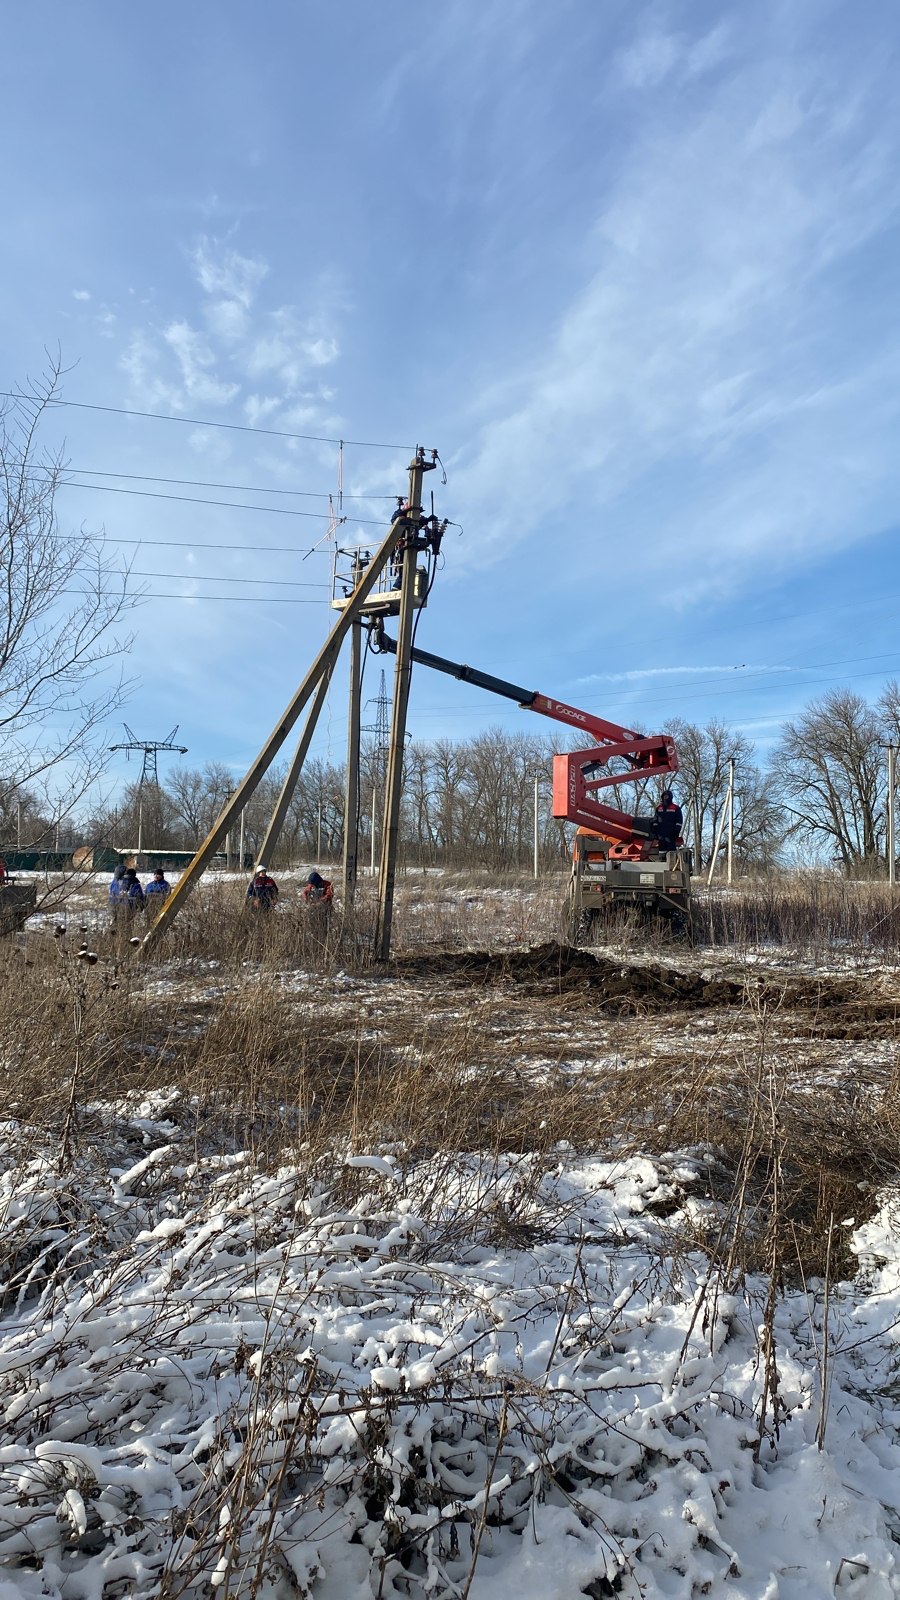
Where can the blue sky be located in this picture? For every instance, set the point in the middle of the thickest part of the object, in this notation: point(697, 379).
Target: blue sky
point(632, 269)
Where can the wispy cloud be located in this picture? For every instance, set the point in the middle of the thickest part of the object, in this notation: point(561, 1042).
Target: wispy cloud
point(81, 294)
point(701, 342)
point(230, 345)
point(665, 672)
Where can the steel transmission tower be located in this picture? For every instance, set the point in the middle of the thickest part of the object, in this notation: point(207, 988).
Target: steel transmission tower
point(149, 749)
point(382, 704)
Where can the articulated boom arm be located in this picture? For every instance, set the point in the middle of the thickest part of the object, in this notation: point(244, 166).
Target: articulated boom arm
point(577, 774)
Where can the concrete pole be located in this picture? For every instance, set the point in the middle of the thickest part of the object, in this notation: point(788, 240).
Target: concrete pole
point(716, 844)
point(325, 659)
point(537, 858)
point(698, 858)
point(351, 779)
point(18, 824)
point(228, 856)
point(390, 833)
point(140, 819)
point(891, 848)
point(241, 844)
point(730, 819)
point(374, 829)
point(319, 834)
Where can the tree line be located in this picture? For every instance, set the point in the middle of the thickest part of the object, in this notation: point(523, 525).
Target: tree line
point(820, 798)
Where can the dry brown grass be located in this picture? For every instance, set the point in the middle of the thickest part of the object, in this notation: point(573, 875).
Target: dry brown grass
point(271, 1052)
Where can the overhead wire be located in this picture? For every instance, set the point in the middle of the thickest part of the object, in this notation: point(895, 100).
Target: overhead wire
point(205, 483)
point(200, 500)
point(207, 422)
point(221, 577)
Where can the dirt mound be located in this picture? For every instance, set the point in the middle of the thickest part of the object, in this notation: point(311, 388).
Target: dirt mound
point(559, 969)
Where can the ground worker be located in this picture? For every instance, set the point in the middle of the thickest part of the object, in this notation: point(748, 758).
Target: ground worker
point(317, 890)
point(116, 896)
point(669, 821)
point(262, 894)
point(157, 888)
point(132, 895)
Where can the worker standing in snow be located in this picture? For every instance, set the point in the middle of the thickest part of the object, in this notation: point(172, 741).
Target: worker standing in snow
point(669, 821)
point(116, 892)
point(262, 894)
point(317, 891)
point(157, 889)
point(132, 895)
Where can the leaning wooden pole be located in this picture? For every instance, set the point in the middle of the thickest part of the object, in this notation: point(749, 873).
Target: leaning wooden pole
point(325, 659)
point(273, 832)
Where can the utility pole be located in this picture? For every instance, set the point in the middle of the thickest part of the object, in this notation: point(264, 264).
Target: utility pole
point(695, 812)
point(403, 672)
point(892, 783)
point(247, 787)
point(730, 819)
point(18, 824)
point(241, 844)
point(537, 859)
point(374, 830)
point(351, 782)
point(717, 841)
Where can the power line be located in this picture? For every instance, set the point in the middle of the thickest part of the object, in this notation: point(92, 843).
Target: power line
point(204, 422)
point(235, 599)
point(198, 500)
point(201, 544)
point(221, 577)
point(203, 483)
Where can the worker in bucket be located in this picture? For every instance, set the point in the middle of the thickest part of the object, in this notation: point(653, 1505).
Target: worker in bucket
point(262, 894)
point(669, 821)
point(317, 891)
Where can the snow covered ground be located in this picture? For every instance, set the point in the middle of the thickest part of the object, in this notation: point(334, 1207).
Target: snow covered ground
point(346, 1380)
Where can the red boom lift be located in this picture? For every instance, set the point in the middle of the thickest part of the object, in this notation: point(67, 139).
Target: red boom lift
point(617, 860)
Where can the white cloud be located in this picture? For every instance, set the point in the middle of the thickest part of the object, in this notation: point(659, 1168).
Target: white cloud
point(197, 361)
point(657, 55)
point(226, 274)
point(81, 294)
point(207, 359)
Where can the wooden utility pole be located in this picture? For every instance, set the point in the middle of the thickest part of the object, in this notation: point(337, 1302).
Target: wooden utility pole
point(324, 661)
point(273, 832)
point(351, 783)
point(537, 846)
point(390, 833)
point(730, 819)
point(892, 781)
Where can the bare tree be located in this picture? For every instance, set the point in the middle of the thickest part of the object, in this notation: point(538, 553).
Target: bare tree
point(62, 600)
point(704, 755)
point(829, 766)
